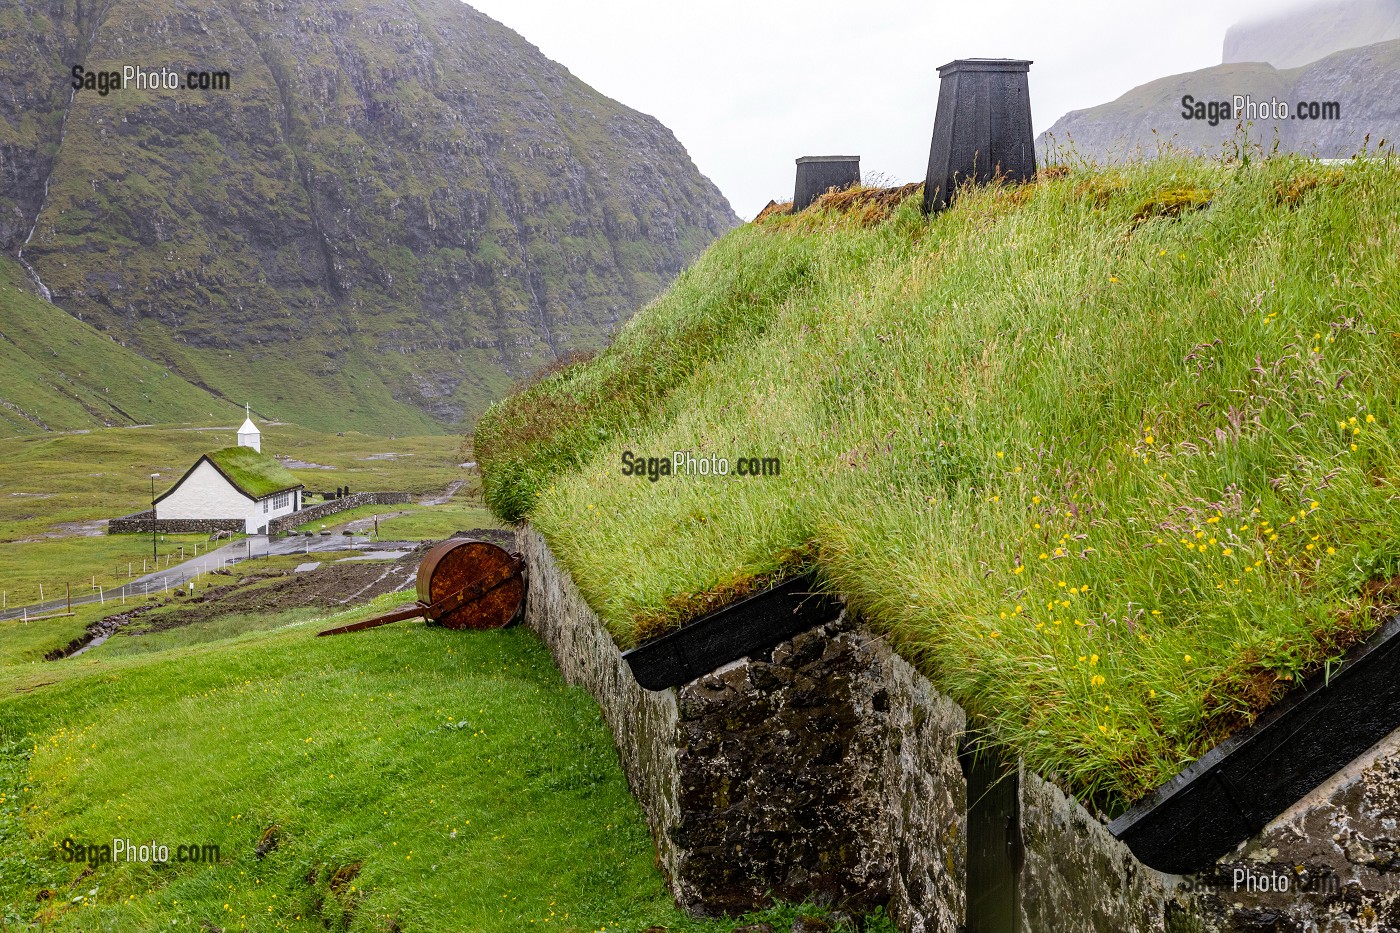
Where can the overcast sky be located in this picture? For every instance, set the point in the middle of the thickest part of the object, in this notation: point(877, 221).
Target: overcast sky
point(749, 85)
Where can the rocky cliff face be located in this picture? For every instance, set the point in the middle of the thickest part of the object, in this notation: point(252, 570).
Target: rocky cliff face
point(1301, 35)
point(1363, 82)
point(397, 206)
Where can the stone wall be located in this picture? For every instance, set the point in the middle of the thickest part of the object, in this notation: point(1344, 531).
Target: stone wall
point(140, 523)
point(830, 769)
point(325, 509)
point(1338, 848)
point(827, 770)
point(645, 724)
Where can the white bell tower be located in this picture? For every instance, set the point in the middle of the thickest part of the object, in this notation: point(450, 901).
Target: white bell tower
point(249, 435)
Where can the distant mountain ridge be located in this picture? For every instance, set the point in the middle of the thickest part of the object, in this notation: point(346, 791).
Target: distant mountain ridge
point(1302, 35)
point(1364, 82)
point(398, 208)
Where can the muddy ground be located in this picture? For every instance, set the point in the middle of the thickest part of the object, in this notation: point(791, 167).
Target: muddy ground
point(333, 585)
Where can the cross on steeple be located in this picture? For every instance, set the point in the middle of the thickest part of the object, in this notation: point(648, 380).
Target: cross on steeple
point(249, 435)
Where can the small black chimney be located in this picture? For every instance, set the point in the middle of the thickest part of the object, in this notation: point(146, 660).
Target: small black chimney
point(983, 127)
point(817, 174)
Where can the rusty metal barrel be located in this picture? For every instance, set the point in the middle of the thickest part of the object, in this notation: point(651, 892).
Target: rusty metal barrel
point(462, 584)
point(470, 584)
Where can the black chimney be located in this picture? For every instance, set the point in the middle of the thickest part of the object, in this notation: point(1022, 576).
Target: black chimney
point(983, 127)
point(817, 174)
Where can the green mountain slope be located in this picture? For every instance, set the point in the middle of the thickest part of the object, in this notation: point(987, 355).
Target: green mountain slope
point(1111, 456)
point(59, 374)
point(397, 208)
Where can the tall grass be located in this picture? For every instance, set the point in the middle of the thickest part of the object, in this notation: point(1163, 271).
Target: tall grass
point(1109, 455)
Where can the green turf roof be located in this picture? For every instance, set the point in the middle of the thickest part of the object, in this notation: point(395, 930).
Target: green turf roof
point(257, 474)
point(1110, 456)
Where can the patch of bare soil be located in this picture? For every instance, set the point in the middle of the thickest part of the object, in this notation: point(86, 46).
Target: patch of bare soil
point(292, 463)
point(91, 529)
point(330, 586)
point(497, 536)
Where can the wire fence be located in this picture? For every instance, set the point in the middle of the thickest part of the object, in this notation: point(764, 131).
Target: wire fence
point(136, 579)
point(181, 567)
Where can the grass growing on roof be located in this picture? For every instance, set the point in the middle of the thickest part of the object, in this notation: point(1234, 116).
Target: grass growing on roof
point(1111, 455)
point(255, 473)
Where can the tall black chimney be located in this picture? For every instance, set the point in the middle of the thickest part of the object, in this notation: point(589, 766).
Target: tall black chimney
point(983, 127)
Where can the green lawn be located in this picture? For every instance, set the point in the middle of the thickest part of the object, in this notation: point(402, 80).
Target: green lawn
point(440, 522)
point(1111, 456)
point(50, 485)
point(418, 779)
point(82, 562)
point(412, 522)
point(26, 643)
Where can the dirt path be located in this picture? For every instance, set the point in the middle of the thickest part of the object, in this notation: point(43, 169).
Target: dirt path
point(446, 495)
point(366, 524)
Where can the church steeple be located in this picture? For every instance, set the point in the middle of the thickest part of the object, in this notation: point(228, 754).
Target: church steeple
point(249, 435)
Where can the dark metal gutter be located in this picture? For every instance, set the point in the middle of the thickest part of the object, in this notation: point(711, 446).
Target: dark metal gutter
point(743, 628)
point(1243, 783)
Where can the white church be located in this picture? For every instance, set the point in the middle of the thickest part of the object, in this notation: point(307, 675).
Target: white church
point(238, 483)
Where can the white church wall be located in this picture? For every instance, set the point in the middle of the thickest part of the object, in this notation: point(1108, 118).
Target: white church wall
point(206, 494)
point(267, 510)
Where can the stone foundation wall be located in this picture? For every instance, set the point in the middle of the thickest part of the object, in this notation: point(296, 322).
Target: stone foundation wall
point(827, 770)
point(316, 512)
point(140, 523)
point(1339, 848)
point(645, 724)
point(830, 769)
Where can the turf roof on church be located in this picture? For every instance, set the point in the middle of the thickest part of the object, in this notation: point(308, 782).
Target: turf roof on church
point(257, 474)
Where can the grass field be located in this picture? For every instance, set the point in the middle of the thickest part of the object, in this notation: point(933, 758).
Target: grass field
point(412, 778)
point(414, 522)
point(57, 490)
point(1111, 456)
point(24, 642)
point(58, 373)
